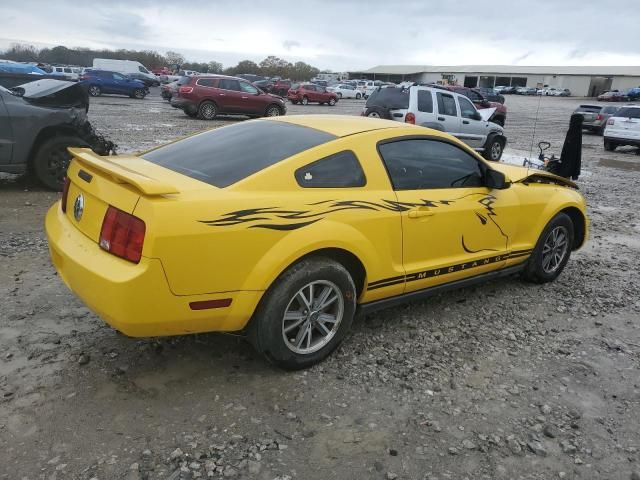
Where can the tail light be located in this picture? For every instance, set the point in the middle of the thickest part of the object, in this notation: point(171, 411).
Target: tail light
point(410, 118)
point(185, 89)
point(610, 122)
point(83, 77)
point(600, 117)
point(122, 235)
point(65, 194)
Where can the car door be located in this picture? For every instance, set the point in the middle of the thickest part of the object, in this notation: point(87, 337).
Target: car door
point(447, 114)
point(230, 95)
point(472, 130)
point(423, 109)
point(252, 101)
point(453, 225)
point(310, 93)
point(6, 134)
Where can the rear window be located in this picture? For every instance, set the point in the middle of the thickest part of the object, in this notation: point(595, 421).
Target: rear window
point(628, 112)
point(610, 110)
point(588, 109)
point(393, 98)
point(224, 156)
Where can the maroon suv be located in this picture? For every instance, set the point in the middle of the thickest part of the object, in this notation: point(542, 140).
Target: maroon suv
point(308, 92)
point(207, 96)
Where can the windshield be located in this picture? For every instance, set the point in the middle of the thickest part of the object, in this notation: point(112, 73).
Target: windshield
point(394, 98)
point(224, 156)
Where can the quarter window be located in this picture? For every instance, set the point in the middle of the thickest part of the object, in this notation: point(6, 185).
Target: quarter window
point(418, 164)
point(467, 110)
point(206, 82)
point(447, 104)
point(340, 170)
point(425, 101)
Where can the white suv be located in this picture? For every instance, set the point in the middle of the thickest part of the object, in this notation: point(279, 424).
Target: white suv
point(442, 110)
point(623, 128)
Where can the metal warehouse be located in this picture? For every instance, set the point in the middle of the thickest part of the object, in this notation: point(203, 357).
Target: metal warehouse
point(582, 81)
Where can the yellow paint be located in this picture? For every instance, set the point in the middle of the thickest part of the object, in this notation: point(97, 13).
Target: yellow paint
point(186, 260)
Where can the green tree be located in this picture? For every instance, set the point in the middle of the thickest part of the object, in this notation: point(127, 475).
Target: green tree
point(174, 58)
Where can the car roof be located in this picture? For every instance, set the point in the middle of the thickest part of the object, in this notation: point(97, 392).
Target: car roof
point(339, 125)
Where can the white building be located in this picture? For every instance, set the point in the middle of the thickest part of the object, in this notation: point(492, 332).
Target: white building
point(582, 81)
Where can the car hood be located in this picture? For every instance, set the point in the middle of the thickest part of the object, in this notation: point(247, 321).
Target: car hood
point(519, 174)
point(486, 113)
point(53, 93)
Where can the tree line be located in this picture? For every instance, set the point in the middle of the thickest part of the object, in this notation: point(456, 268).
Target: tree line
point(271, 66)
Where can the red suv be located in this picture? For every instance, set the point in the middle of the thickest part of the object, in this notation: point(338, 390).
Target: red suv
point(308, 92)
point(481, 102)
point(207, 96)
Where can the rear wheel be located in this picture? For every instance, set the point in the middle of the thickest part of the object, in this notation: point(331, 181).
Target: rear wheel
point(295, 102)
point(552, 251)
point(207, 110)
point(332, 102)
point(609, 146)
point(94, 91)
point(358, 96)
point(305, 101)
point(52, 159)
point(339, 95)
point(305, 314)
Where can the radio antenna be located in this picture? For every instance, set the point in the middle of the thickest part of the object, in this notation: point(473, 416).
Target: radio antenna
point(535, 126)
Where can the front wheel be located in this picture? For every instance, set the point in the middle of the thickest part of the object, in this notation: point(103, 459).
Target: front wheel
point(332, 102)
point(273, 111)
point(494, 149)
point(552, 251)
point(52, 160)
point(609, 146)
point(139, 93)
point(305, 314)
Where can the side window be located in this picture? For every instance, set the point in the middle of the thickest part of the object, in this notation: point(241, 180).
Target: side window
point(418, 164)
point(142, 69)
point(447, 104)
point(117, 76)
point(467, 109)
point(340, 170)
point(248, 88)
point(310, 88)
point(226, 84)
point(206, 82)
point(425, 101)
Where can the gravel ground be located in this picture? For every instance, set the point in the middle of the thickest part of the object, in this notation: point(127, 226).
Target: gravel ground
point(502, 381)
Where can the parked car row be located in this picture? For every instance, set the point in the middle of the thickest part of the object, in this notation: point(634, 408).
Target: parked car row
point(618, 96)
point(545, 91)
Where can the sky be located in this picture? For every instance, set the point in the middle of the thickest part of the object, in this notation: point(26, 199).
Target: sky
point(340, 35)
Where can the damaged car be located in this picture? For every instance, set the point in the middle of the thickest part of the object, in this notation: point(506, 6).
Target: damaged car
point(38, 122)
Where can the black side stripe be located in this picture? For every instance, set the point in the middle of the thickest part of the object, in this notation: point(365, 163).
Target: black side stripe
point(387, 282)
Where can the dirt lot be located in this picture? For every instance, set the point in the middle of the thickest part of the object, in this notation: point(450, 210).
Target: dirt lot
point(506, 380)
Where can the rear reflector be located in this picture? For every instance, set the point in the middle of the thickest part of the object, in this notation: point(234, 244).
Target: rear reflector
point(122, 235)
point(206, 304)
point(410, 118)
point(65, 194)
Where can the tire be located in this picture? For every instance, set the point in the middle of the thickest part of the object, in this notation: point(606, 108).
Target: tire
point(139, 93)
point(267, 329)
point(493, 150)
point(340, 95)
point(305, 101)
point(358, 96)
point(273, 111)
point(609, 146)
point(537, 269)
point(332, 102)
point(207, 110)
point(601, 130)
point(295, 102)
point(94, 90)
point(52, 159)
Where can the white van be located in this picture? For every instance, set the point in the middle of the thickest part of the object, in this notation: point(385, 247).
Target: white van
point(123, 66)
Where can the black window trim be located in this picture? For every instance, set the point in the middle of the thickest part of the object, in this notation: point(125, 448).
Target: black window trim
point(364, 174)
point(483, 166)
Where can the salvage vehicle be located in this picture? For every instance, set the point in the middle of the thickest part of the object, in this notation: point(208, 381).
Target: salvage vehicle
point(284, 228)
point(98, 82)
point(281, 87)
point(596, 117)
point(623, 128)
point(481, 102)
point(612, 96)
point(345, 91)
point(207, 96)
point(446, 111)
point(306, 93)
point(38, 122)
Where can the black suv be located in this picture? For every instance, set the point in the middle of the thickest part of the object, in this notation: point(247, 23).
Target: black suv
point(382, 100)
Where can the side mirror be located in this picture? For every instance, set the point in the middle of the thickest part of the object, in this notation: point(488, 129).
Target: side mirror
point(496, 179)
point(477, 116)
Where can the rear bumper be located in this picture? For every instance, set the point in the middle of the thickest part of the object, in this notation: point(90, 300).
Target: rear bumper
point(183, 104)
point(634, 142)
point(136, 299)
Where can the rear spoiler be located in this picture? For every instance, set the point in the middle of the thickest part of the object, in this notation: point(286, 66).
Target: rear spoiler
point(122, 174)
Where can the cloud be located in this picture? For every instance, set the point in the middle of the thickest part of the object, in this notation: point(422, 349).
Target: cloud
point(351, 36)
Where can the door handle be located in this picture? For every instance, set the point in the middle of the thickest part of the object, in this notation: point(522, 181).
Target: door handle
point(221, 94)
point(466, 122)
point(420, 212)
point(442, 119)
point(245, 98)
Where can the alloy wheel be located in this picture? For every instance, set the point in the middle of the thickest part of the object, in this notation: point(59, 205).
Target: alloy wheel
point(273, 112)
point(312, 317)
point(555, 249)
point(496, 150)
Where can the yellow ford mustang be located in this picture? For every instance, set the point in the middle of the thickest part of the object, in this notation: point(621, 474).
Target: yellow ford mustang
point(284, 228)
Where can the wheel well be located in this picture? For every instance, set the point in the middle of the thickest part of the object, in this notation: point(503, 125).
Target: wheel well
point(273, 105)
point(578, 220)
point(47, 133)
point(348, 260)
